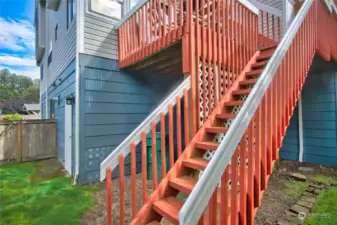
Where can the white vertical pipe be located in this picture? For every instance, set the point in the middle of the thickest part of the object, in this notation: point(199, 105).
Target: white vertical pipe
point(300, 129)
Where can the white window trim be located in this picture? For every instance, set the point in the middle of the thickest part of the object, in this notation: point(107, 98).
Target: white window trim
point(87, 11)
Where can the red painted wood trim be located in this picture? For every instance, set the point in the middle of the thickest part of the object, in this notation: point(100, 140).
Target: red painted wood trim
point(108, 197)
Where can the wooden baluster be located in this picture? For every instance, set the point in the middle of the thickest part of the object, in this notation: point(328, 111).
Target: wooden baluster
point(178, 118)
point(108, 196)
point(133, 180)
point(163, 144)
point(171, 135)
point(186, 118)
point(121, 190)
point(144, 167)
point(154, 156)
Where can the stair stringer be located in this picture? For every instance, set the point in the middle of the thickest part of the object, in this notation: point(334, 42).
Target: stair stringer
point(146, 213)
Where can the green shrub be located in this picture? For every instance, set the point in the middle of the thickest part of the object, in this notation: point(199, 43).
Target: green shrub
point(12, 117)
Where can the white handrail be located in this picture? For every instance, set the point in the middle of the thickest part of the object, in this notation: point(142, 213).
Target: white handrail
point(198, 199)
point(112, 160)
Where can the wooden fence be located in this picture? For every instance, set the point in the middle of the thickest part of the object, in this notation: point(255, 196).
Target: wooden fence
point(27, 140)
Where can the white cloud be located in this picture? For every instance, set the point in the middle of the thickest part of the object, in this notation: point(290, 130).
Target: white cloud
point(17, 61)
point(32, 72)
point(16, 35)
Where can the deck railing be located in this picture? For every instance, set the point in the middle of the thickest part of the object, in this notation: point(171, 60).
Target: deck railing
point(260, 125)
point(152, 25)
point(156, 24)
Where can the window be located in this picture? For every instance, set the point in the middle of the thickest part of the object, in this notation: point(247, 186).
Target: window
point(71, 11)
point(50, 55)
point(107, 8)
point(56, 31)
point(50, 58)
point(41, 72)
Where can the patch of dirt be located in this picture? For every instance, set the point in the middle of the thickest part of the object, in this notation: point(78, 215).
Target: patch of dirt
point(275, 202)
point(97, 214)
point(47, 170)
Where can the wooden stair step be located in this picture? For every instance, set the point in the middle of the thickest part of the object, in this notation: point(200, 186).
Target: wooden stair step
point(184, 184)
point(264, 56)
point(196, 163)
point(268, 48)
point(259, 64)
point(216, 130)
point(254, 72)
point(154, 223)
point(168, 208)
point(225, 116)
point(233, 103)
point(207, 145)
point(242, 91)
point(247, 82)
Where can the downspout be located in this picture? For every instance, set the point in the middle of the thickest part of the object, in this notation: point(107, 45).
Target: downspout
point(79, 48)
point(300, 129)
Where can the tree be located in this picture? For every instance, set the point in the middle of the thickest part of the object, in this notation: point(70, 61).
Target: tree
point(4, 76)
point(33, 91)
point(14, 86)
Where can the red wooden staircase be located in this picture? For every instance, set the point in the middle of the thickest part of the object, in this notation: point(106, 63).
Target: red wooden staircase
point(181, 177)
point(234, 110)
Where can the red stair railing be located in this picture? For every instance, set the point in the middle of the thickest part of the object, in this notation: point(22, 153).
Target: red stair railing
point(170, 117)
point(261, 123)
point(223, 39)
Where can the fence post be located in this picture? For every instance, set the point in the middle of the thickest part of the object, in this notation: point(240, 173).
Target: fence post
point(19, 143)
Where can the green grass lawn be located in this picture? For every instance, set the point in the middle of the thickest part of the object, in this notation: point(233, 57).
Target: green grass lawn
point(40, 201)
point(325, 209)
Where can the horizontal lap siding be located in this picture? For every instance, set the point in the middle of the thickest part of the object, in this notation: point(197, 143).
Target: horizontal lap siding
point(100, 37)
point(319, 118)
point(290, 143)
point(65, 86)
point(113, 103)
point(64, 48)
point(43, 106)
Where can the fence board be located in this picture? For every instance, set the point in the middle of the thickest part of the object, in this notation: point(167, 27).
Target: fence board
point(36, 141)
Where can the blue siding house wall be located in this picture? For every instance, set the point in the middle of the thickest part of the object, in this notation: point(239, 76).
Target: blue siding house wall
point(319, 100)
point(64, 86)
point(43, 106)
point(113, 104)
point(319, 118)
point(290, 145)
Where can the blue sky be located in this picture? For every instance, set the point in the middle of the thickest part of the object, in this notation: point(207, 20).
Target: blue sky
point(17, 37)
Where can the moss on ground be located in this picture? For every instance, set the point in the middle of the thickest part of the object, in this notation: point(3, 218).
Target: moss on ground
point(294, 188)
point(54, 201)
